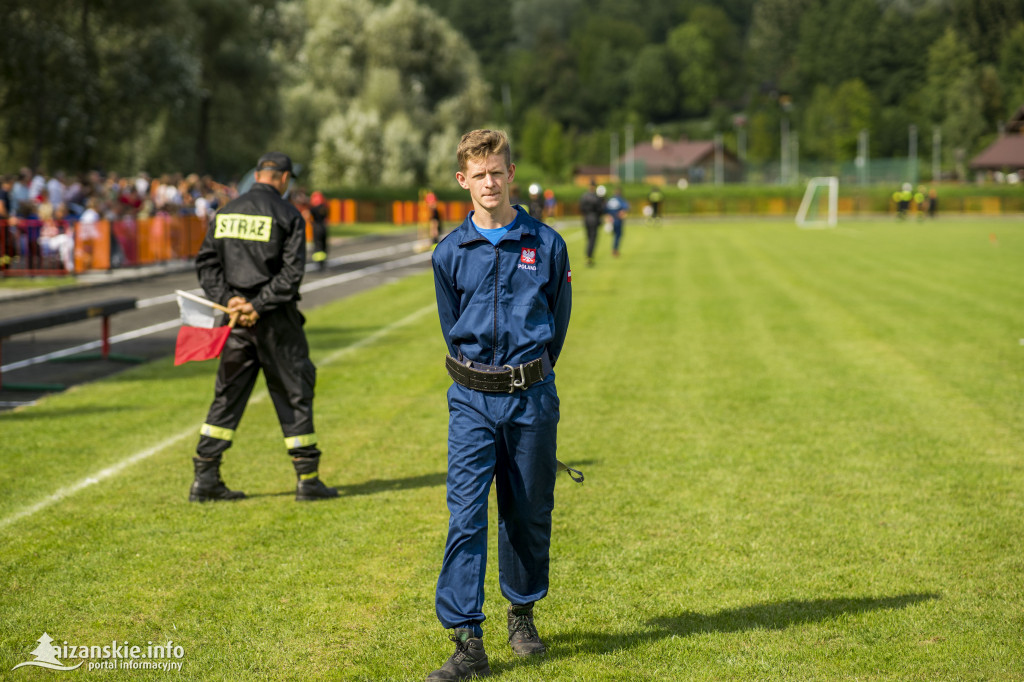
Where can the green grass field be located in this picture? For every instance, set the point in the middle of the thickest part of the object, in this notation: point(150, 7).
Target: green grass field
point(803, 458)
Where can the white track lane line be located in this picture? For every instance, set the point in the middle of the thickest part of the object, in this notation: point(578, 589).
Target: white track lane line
point(118, 467)
point(170, 324)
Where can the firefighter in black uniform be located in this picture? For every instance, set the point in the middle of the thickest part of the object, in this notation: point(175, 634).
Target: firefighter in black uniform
point(252, 260)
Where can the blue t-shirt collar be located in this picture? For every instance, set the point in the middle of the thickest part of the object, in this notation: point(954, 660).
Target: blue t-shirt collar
point(493, 235)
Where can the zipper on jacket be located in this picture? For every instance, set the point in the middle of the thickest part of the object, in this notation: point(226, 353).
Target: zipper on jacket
point(497, 263)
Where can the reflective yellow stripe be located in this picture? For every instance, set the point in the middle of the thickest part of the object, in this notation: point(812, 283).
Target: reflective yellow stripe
point(306, 477)
point(218, 432)
point(319, 256)
point(300, 441)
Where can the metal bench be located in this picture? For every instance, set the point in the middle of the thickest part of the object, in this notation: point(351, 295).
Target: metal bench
point(37, 321)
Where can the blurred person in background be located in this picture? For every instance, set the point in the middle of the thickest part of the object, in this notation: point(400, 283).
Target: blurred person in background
point(20, 192)
point(318, 216)
point(618, 209)
point(535, 204)
point(434, 226)
point(592, 211)
point(549, 205)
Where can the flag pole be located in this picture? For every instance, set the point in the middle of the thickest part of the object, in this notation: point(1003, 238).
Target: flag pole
point(201, 300)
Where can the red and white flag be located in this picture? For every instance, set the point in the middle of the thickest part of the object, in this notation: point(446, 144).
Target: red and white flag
point(199, 338)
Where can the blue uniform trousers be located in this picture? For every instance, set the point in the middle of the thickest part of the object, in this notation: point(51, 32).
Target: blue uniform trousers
point(512, 439)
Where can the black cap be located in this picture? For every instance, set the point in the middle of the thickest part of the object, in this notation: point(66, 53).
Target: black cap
point(275, 161)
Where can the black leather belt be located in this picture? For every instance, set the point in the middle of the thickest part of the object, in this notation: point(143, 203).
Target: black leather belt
point(494, 379)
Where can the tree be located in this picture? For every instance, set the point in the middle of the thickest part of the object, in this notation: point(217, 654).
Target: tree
point(763, 144)
point(695, 59)
point(387, 81)
point(715, 24)
point(236, 110)
point(80, 82)
point(654, 93)
point(553, 150)
point(530, 142)
point(772, 43)
point(984, 24)
point(1011, 69)
point(834, 119)
point(602, 49)
point(952, 99)
point(835, 42)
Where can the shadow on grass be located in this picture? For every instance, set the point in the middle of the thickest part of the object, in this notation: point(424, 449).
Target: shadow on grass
point(770, 616)
point(39, 412)
point(383, 485)
point(375, 485)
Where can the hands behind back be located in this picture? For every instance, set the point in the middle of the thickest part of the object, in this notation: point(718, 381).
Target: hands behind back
point(247, 315)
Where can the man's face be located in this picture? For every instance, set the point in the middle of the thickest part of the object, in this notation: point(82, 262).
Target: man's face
point(487, 180)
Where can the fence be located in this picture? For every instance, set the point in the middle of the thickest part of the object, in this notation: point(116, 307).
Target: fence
point(59, 247)
point(31, 247)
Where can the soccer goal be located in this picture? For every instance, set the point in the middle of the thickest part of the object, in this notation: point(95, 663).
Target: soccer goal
point(820, 205)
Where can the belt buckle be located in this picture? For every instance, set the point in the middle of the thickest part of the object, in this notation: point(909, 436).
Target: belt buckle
point(516, 383)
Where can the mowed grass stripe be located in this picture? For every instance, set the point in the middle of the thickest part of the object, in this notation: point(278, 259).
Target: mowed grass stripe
point(839, 352)
point(786, 479)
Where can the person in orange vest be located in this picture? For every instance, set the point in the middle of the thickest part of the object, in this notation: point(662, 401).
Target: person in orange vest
point(318, 212)
point(433, 218)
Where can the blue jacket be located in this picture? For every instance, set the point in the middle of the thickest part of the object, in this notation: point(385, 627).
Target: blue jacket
point(503, 304)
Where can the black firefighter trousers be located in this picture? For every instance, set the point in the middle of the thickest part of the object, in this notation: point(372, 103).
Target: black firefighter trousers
point(277, 345)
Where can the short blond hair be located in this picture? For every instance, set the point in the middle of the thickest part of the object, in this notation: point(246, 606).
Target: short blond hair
point(479, 144)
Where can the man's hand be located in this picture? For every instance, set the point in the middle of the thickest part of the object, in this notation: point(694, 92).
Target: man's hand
point(247, 315)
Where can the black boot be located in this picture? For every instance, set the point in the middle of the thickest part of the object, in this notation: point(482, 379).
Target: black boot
point(309, 487)
point(522, 633)
point(208, 486)
point(468, 661)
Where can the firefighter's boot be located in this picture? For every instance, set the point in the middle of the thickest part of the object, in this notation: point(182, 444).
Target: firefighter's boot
point(208, 485)
point(309, 486)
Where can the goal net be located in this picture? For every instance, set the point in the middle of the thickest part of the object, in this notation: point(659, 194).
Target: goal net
point(820, 205)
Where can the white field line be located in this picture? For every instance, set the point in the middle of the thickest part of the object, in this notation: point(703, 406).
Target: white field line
point(170, 324)
point(93, 479)
point(118, 467)
point(92, 345)
point(340, 260)
point(115, 469)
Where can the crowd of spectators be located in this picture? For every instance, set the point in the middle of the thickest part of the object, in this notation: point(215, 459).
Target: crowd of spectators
point(39, 212)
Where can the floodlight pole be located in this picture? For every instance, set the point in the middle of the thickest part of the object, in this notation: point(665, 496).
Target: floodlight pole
point(615, 156)
point(719, 160)
point(912, 155)
point(795, 157)
point(506, 101)
point(862, 156)
point(629, 152)
point(784, 151)
point(936, 154)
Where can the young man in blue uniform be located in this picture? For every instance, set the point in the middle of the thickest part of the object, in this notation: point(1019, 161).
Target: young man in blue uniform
point(504, 295)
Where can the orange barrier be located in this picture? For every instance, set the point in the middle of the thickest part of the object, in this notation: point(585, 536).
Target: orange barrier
point(105, 245)
point(417, 213)
point(32, 248)
point(92, 246)
point(341, 211)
